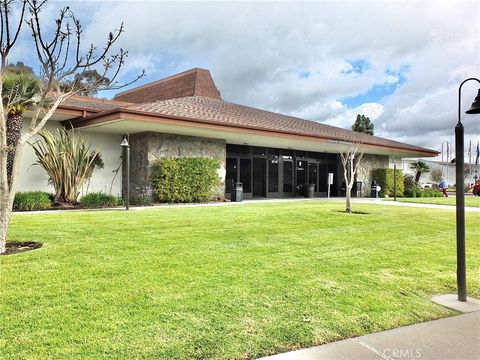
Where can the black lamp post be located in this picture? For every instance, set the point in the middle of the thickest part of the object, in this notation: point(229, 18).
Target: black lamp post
point(125, 145)
point(460, 192)
point(394, 180)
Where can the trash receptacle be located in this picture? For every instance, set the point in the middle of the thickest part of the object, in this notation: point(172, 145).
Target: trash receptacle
point(236, 194)
point(309, 190)
point(374, 190)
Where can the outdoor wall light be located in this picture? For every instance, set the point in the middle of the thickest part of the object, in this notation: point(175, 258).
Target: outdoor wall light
point(460, 191)
point(125, 145)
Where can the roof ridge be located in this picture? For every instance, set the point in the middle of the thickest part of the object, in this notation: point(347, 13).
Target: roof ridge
point(156, 82)
point(195, 83)
point(95, 99)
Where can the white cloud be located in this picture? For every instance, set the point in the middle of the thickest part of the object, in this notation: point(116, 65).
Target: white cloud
point(256, 51)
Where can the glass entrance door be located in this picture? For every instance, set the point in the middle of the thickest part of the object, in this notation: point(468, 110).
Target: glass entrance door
point(259, 177)
point(287, 178)
point(313, 174)
point(246, 176)
point(301, 176)
point(322, 178)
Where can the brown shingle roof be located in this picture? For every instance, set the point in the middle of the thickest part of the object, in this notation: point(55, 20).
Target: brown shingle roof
point(92, 104)
point(220, 112)
point(193, 96)
point(194, 82)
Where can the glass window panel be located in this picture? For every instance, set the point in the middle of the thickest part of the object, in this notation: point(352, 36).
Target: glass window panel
point(246, 174)
point(231, 173)
point(312, 174)
point(287, 153)
point(259, 151)
point(259, 177)
point(273, 153)
point(322, 177)
point(273, 175)
point(287, 176)
point(317, 155)
point(301, 176)
point(238, 149)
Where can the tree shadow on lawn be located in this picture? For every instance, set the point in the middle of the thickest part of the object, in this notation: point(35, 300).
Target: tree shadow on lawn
point(354, 212)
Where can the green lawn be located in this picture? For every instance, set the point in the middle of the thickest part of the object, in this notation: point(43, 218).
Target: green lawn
point(229, 282)
point(473, 201)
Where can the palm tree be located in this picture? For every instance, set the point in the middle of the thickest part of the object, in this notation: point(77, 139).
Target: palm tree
point(18, 93)
point(420, 167)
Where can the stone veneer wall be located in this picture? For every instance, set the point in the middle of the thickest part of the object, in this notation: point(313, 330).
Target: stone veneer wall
point(370, 162)
point(147, 147)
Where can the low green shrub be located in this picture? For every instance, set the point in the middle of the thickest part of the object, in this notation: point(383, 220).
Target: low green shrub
point(189, 179)
point(418, 193)
point(32, 200)
point(384, 178)
point(410, 193)
point(98, 200)
point(431, 193)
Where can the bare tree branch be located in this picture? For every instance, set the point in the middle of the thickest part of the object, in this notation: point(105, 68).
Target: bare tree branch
point(61, 59)
point(351, 161)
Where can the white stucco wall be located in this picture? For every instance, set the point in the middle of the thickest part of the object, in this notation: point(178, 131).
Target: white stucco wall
point(447, 168)
point(34, 178)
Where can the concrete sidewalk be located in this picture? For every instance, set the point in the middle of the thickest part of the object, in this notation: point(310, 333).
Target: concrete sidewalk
point(407, 204)
point(255, 201)
point(456, 337)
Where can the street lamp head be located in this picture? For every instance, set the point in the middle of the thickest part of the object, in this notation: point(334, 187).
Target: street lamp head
point(125, 142)
point(475, 108)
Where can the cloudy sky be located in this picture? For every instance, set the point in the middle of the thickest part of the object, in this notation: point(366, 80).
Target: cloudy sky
point(400, 63)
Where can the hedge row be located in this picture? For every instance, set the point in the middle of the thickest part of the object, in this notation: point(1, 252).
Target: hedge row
point(384, 178)
point(418, 193)
point(188, 179)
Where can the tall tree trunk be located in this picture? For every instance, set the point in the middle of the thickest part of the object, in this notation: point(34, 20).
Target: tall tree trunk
point(14, 132)
point(348, 195)
point(5, 214)
point(417, 176)
point(7, 193)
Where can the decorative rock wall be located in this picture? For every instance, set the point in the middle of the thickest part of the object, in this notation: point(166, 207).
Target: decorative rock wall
point(364, 174)
point(369, 163)
point(147, 147)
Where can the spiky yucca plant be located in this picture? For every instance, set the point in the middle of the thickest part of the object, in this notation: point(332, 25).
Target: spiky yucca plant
point(68, 160)
point(18, 93)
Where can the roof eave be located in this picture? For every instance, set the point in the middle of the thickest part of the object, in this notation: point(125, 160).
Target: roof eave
point(120, 114)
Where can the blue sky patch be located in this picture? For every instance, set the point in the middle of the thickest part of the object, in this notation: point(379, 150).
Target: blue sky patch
point(359, 66)
point(304, 74)
point(378, 93)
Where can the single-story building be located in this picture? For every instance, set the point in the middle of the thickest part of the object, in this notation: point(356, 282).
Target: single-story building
point(273, 155)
